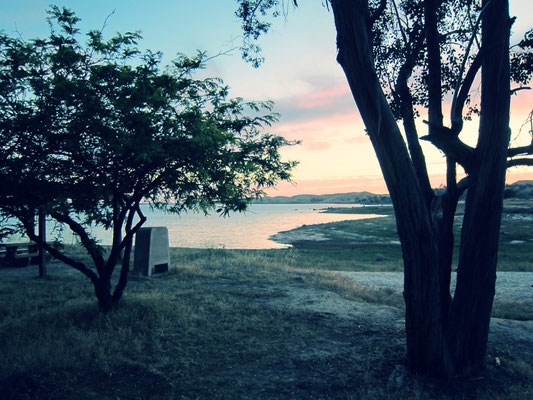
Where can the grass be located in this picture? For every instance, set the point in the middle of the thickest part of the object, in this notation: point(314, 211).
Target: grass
point(220, 325)
point(372, 244)
point(209, 329)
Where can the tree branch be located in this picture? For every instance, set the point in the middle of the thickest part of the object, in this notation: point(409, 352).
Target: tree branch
point(451, 176)
point(451, 146)
point(58, 255)
point(92, 248)
point(515, 162)
point(138, 225)
point(454, 114)
point(462, 185)
point(460, 97)
point(434, 65)
point(512, 152)
point(124, 271)
point(402, 31)
point(413, 48)
point(513, 91)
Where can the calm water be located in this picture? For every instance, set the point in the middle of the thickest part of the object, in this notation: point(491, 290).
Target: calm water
point(249, 230)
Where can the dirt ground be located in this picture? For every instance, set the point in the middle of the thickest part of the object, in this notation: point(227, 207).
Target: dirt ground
point(369, 338)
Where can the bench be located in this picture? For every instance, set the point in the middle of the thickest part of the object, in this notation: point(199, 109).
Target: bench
point(19, 254)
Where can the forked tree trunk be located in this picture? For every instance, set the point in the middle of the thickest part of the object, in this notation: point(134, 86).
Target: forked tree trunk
point(426, 346)
point(437, 346)
point(476, 275)
point(102, 289)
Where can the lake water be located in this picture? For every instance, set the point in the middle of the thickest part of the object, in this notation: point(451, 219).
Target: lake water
point(249, 230)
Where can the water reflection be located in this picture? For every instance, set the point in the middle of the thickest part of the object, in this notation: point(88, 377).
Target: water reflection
point(249, 230)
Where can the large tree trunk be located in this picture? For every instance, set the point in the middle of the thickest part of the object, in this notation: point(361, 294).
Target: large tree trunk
point(442, 340)
point(476, 275)
point(102, 289)
point(426, 345)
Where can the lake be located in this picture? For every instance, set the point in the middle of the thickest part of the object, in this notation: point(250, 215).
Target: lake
point(249, 230)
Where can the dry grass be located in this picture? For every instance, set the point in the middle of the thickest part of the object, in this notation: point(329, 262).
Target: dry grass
point(207, 330)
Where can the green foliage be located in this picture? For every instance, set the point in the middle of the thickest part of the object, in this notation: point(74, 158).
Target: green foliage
point(251, 13)
point(88, 131)
point(522, 60)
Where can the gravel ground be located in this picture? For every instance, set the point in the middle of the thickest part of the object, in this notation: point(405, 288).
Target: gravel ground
point(510, 286)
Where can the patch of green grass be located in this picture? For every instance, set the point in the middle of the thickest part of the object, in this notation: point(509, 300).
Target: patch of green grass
point(372, 244)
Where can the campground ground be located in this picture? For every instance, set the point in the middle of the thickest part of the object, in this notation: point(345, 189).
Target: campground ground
point(230, 324)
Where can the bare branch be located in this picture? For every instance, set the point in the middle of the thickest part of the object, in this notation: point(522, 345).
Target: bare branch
point(413, 49)
point(465, 58)
point(451, 176)
point(221, 53)
point(87, 242)
point(515, 162)
point(107, 19)
point(434, 64)
point(512, 152)
point(125, 268)
point(513, 91)
point(60, 256)
point(451, 146)
point(462, 185)
point(125, 242)
point(133, 231)
point(460, 98)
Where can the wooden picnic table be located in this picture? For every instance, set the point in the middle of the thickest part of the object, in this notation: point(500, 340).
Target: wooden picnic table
point(19, 254)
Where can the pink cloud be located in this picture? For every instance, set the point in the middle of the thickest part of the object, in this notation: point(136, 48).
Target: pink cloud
point(320, 124)
point(357, 139)
point(312, 145)
point(324, 97)
point(325, 131)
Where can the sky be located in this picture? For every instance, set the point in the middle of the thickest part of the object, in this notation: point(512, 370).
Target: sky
point(300, 74)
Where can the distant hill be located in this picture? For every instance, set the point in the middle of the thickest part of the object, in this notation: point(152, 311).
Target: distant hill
point(337, 198)
point(520, 189)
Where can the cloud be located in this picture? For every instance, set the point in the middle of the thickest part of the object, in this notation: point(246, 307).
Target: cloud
point(335, 129)
point(322, 97)
point(318, 146)
point(357, 139)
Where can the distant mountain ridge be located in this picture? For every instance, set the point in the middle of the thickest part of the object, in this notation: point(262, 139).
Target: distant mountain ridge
point(519, 189)
point(337, 198)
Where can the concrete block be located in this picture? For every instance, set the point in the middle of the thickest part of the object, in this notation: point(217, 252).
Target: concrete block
point(151, 254)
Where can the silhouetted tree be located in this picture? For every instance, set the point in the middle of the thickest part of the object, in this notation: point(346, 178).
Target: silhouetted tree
point(88, 132)
point(400, 54)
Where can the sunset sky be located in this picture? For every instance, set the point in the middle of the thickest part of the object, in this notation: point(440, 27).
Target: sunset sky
point(300, 75)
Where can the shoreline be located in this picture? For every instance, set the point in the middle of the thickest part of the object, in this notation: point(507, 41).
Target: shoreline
point(340, 234)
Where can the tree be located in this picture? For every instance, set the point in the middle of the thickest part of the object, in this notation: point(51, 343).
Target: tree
point(399, 55)
point(88, 132)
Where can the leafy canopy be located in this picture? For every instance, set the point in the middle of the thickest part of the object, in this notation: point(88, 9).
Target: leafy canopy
point(82, 124)
point(90, 130)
